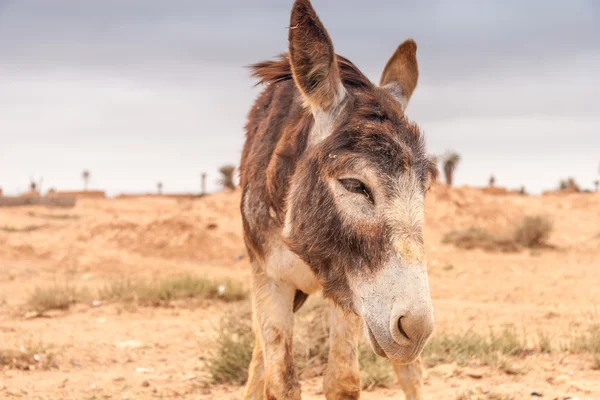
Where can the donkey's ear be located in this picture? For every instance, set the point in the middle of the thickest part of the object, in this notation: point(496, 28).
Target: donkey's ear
point(401, 72)
point(312, 58)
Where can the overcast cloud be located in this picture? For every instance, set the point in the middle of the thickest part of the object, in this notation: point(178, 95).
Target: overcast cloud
point(139, 91)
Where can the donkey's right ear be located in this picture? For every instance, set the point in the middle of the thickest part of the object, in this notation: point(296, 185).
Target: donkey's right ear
point(401, 72)
point(312, 59)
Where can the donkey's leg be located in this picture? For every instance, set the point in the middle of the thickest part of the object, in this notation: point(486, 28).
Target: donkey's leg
point(342, 379)
point(255, 387)
point(273, 310)
point(410, 378)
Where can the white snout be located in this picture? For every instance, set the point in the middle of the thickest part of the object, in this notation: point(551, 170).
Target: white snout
point(396, 309)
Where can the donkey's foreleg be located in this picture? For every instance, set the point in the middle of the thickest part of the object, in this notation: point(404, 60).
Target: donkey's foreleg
point(255, 387)
point(342, 379)
point(410, 378)
point(273, 312)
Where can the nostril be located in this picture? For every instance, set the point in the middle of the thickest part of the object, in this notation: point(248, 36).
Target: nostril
point(401, 328)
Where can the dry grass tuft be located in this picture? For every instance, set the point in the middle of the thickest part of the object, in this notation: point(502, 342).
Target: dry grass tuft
point(544, 342)
point(160, 292)
point(31, 356)
point(533, 231)
point(229, 361)
point(471, 346)
point(587, 342)
point(478, 238)
point(57, 297)
point(374, 371)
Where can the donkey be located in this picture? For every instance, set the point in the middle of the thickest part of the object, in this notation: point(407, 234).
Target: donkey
point(333, 182)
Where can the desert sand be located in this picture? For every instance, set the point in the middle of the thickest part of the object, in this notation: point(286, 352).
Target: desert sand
point(109, 350)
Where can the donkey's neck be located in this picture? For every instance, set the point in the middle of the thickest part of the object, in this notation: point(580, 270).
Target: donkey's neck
point(290, 148)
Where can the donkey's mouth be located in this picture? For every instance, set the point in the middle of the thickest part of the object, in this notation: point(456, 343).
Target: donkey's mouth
point(374, 343)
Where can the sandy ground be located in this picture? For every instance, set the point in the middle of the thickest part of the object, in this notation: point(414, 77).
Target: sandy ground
point(99, 241)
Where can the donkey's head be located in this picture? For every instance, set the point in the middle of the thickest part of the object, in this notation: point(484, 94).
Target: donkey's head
point(356, 201)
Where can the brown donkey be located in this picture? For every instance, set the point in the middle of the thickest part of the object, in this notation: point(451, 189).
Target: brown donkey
point(334, 178)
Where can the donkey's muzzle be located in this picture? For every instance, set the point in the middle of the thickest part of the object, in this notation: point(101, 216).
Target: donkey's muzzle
point(397, 312)
point(412, 328)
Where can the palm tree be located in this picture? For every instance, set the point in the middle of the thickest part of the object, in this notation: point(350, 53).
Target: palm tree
point(492, 181)
point(159, 187)
point(450, 162)
point(85, 175)
point(227, 177)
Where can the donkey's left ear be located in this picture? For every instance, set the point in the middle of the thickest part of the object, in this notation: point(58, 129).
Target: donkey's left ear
point(401, 72)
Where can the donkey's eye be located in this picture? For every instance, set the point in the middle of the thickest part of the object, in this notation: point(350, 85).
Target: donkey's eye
point(356, 186)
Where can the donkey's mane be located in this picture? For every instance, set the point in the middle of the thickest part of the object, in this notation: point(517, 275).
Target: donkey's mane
point(280, 70)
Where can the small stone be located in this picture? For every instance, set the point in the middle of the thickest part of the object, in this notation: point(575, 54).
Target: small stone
point(560, 379)
point(31, 314)
point(443, 370)
point(145, 384)
point(221, 290)
point(96, 303)
point(130, 344)
point(471, 373)
point(142, 370)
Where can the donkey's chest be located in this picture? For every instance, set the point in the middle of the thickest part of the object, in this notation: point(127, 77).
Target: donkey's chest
point(283, 264)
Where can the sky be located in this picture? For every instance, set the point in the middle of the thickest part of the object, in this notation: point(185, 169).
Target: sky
point(141, 91)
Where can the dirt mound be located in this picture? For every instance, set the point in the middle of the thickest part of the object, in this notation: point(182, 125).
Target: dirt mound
point(575, 217)
point(209, 227)
point(89, 194)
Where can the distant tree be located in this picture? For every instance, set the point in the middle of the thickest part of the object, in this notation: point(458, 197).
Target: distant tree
point(597, 183)
point(568, 184)
point(159, 187)
point(562, 184)
point(450, 162)
point(227, 177)
point(492, 181)
point(85, 175)
point(522, 190)
point(203, 183)
point(32, 186)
